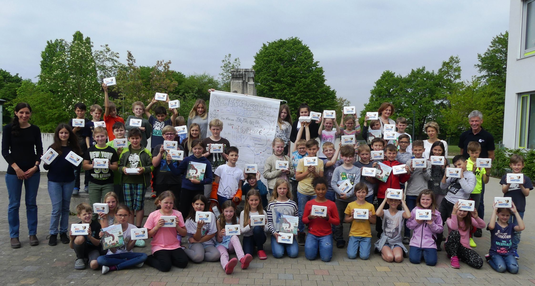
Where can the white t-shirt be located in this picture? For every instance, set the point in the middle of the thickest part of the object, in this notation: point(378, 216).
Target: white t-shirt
point(428, 145)
point(229, 179)
point(126, 237)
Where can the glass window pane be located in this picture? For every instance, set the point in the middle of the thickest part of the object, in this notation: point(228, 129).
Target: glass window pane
point(523, 121)
point(530, 26)
point(531, 126)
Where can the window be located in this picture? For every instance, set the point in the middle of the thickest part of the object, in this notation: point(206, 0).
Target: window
point(527, 122)
point(528, 28)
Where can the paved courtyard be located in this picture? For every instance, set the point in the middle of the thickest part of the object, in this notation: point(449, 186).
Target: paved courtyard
point(46, 265)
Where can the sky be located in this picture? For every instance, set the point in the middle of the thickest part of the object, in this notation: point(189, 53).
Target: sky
point(354, 41)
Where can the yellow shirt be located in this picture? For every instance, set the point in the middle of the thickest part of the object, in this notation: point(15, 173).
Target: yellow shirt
point(360, 227)
point(479, 172)
point(305, 185)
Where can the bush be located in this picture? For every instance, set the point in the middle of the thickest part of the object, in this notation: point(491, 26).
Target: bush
point(500, 164)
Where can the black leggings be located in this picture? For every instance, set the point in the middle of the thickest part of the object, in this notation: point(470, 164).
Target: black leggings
point(164, 259)
point(454, 247)
point(186, 196)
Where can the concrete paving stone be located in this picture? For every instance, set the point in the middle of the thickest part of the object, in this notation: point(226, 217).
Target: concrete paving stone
point(245, 281)
point(315, 277)
point(284, 276)
point(340, 283)
point(270, 276)
point(256, 265)
point(466, 275)
point(306, 271)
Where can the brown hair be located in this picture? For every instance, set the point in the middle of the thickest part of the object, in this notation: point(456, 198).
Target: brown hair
point(288, 115)
point(433, 206)
point(391, 148)
point(221, 220)
point(384, 106)
point(247, 208)
point(418, 143)
point(473, 146)
point(347, 151)
point(311, 143)
point(515, 158)
point(83, 207)
point(163, 196)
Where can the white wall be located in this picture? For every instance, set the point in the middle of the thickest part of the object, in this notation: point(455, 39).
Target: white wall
point(48, 139)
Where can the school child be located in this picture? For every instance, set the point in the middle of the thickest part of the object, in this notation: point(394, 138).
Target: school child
point(216, 159)
point(393, 181)
point(61, 182)
point(201, 234)
point(112, 200)
point(254, 183)
point(119, 131)
point(180, 121)
point(96, 112)
point(194, 132)
point(199, 115)
point(457, 245)
point(351, 126)
point(163, 179)
point(329, 164)
point(86, 247)
point(228, 243)
point(501, 254)
point(110, 113)
point(193, 179)
point(271, 172)
point(378, 144)
point(228, 179)
point(474, 149)
point(366, 131)
point(518, 192)
point(100, 179)
point(159, 122)
point(404, 155)
point(401, 126)
point(166, 249)
point(135, 185)
point(304, 110)
point(283, 130)
point(253, 235)
point(364, 161)
point(82, 133)
point(360, 233)
point(347, 171)
point(319, 239)
point(299, 151)
point(417, 182)
point(422, 243)
point(122, 257)
point(390, 244)
point(435, 173)
point(305, 191)
point(458, 189)
point(281, 204)
point(138, 108)
point(329, 135)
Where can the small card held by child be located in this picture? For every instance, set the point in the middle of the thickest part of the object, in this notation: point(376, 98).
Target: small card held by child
point(378, 155)
point(281, 165)
point(99, 124)
point(101, 163)
point(305, 119)
point(399, 169)
point(390, 135)
point(73, 158)
point(348, 139)
point(361, 214)
point(315, 115)
point(423, 215)
point(170, 221)
point(132, 171)
point(258, 220)
point(177, 155)
point(350, 110)
point(368, 172)
point(437, 160)
point(310, 161)
point(483, 162)
point(100, 208)
point(329, 114)
point(514, 178)
point(49, 156)
point(250, 169)
point(418, 163)
point(78, 122)
point(372, 115)
point(502, 202)
point(170, 145)
point(174, 104)
point(119, 143)
point(79, 229)
point(285, 238)
point(396, 194)
point(182, 129)
point(453, 172)
point(109, 81)
point(345, 186)
point(232, 229)
point(466, 205)
point(216, 148)
point(204, 216)
point(135, 122)
point(139, 233)
point(389, 128)
point(318, 211)
point(160, 96)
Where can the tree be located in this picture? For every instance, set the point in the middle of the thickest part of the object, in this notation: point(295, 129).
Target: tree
point(54, 76)
point(8, 92)
point(107, 62)
point(493, 63)
point(225, 74)
point(286, 69)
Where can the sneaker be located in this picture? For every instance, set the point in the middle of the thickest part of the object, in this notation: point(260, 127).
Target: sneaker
point(478, 233)
point(105, 269)
point(79, 264)
point(34, 241)
point(140, 265)
point(301, 238)
point(85, 190)
point(245, 261)
point(455, 262)
point(75, 191)
point(406, 240)
point(53, 239)
point(64, 238)
point(140, 243)
point(472, 243)
point(515, 254)
point(340, 243)
point(487, 257)
point(262, 255)
point(229, 268)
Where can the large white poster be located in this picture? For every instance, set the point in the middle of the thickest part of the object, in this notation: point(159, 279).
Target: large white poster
point(249, 123)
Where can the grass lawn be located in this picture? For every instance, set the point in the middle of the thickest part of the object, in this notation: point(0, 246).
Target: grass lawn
point(453, 150)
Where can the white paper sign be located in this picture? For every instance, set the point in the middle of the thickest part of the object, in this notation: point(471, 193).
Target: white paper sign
point(109, 81)
point(119, 143)
point(399, 169)
point(483, 162)
point(318, 211)
point(305, 119)
point(513, 178)
point(79, 229)
point(310, 161)
point(73, 158)
point(437, 160)
point(139, 233)
point(174, 104)
point(170, 221)
point(285, 238)
point(78, 122)
point(204, 216)
point(502, 202)
point(132, 171)
point(232, 229)
point(368, 172)
point(160, 96)
point(389, 128)
point(361, 214)
point(378, 155)
point(250, 169)
point(423, 214)
point(182, 129)
point(49, 156)
point(350, 110)
point(100, 208)
point(390, 135)
point(418, 163)
point(99, 124)
point(177, 155)
point(258, 220)
point(315, 115)
point(281, 165)
point(348, 139)
point(216, 148)
point(345, 186)
point(329, 114)
point(396, 194)
point(467, 205)
point(372, 115)
point(100, 163)
point(170, 145)
point(453, 172)
point(135, 122)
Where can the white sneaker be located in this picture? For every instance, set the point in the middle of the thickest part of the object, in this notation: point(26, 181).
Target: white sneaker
point(105, 269)
point(140, 265)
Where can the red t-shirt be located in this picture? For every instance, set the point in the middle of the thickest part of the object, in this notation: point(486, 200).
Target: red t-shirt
point(321, 226)
point(109, 125)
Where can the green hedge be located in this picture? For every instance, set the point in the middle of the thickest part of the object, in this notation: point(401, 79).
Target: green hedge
point(500, 164)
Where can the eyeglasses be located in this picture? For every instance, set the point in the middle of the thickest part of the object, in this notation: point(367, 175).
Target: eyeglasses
point(169, 134)
point(403, 142)
point(121, 215)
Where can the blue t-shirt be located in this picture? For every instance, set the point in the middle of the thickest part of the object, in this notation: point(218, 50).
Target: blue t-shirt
point(516, 193)
point(501, 240)
point(157, 127)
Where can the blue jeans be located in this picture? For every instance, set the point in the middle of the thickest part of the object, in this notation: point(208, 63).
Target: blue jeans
point(277, 249)
point(60, 197)
point(411, 203)
point(301, 202)
point(257, 239)
point(429, 254)
point(330, 195)
point(122, 260)
point(323, 244)
point(361, 244)
point(502, 263)
point(369, 199)
point(516, 234)
point(14, 190)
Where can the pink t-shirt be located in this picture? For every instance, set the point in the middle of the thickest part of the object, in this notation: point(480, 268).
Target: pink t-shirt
point(166, 237)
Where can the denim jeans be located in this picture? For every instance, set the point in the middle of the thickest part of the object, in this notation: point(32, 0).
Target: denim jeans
point(429, 254)
point(257, 239)
point(323, 244)
point(330, 195)
point(277, 249)
point(411, 203)
point(60, 197)
point(369, 199)
point(122, 260)
point(361, 244)
point(14, 190)
point(301, 202)
point(501, 263)
point(516, 234)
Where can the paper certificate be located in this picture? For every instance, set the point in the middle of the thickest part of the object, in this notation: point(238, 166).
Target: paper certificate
point(79, 229)
point(258, 220)
point(305, 119)
point(361, 214)
point(78, 122)
point(100, 208)
point(216, 148)
point(109, 81)
point(319, 211)
point(315, 115)
point(396, 194)
point(170, 145)
point(329, 114)
point(160, 96)
point(232, 229)
point(174, 104)
point(135, 122)
point(389, 128)
point(285, 238)
point(466, 205)
point(170, 221)
point(390, 135)
point(348, 139)
point(418, 163)
point(453, 172)
point(132, 171)
point(182, 129)
point(423, 215)
point(204, 216)
point(310, 161)
point(345, 186)
point(350, 110)
point(119, 143)
point(502, 202)
point(177, 155)
point(513, 178)
point(100, 163)
point(281, 165)
point(73, 158)
point(368, 172)
point(483, 162)
point(372, 115)
point(378, 155)
point(399, 169)
point(250, 169)
point(139, 233)
point(99, 124)
point(49, 156)
point(437, 160)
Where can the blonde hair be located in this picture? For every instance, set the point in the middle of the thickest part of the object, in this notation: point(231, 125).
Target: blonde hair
point(277, 140)
point(95, 107)
point(216, 123)
point(140, 104)
point(432, 124)
point(98, 130)
point(189, 134)
point(193, 111)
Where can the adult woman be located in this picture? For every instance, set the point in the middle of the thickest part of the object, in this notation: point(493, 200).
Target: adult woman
point(199, 115)
point(432, 130)
point(284, 126)
point(385, 111)
point(22, 148)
